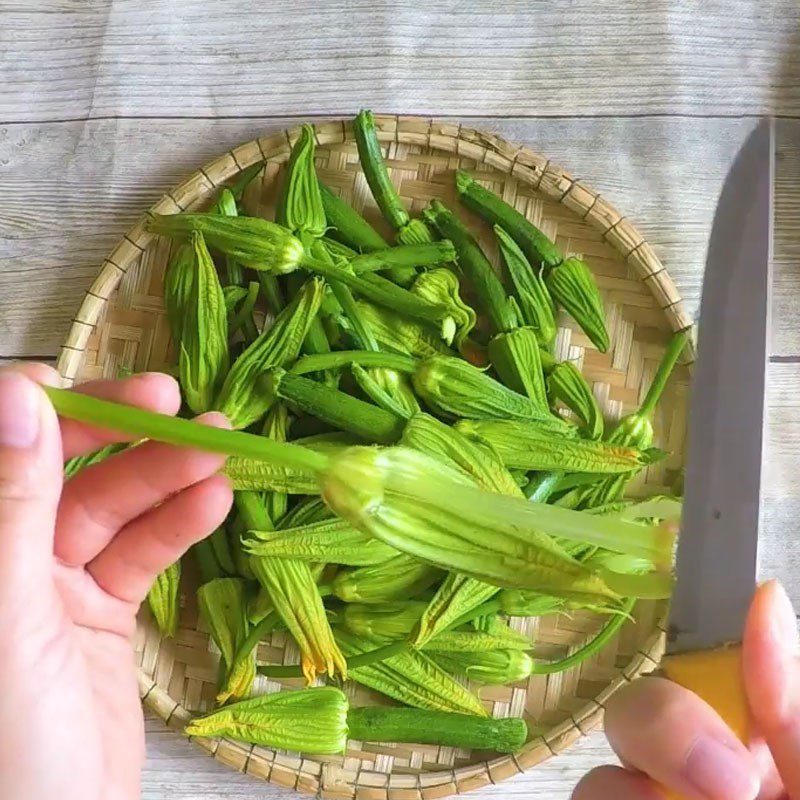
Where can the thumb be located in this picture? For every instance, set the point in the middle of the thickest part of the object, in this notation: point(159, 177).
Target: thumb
point(772, 678)
point(30, 481)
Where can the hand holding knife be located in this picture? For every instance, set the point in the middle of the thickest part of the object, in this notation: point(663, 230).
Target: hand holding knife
point(659, 730)
point(718, 545)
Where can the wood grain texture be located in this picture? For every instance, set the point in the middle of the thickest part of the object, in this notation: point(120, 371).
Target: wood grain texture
point(144, 58)
point(70, 190)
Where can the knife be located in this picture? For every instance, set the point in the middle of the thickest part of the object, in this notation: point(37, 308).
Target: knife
point(718, 544)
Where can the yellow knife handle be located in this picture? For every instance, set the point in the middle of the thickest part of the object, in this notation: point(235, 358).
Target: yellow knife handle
point(716, 676)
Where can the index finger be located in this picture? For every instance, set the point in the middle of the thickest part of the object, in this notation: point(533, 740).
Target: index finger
point(153, 391)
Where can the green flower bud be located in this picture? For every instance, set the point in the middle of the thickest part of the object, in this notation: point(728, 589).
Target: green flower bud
point(458, 595)
point(223, 606)
point(204, 360)
point(634, 430)
point(529, 603)
point(388, 389)
point(428, 511)
point(400, 577)
point(453, 386)
point(414, 232)
point(410, 677)
point(240, 398)
point(164, 601)
point(535, 304)
point(442, 286)
point(573, 286)
point(307, 721)
point(299, 207)
point(383, 623)
point(567, 384)
point(178, 280)
point(332, 541)
point(293, 589)
point(448, 445)
point(517, 358)
point(499, 667)
point(400, 334)
point(527, 445)
point(252, 241)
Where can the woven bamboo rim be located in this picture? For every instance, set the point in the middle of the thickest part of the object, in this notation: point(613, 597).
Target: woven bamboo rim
point(121, 323)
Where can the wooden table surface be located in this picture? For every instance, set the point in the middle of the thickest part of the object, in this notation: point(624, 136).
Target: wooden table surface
point(105, 104)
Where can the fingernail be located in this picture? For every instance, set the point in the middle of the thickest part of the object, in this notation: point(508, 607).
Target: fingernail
point(20, 411)
point(782, 621)
point(719, 773)
point(214, 419)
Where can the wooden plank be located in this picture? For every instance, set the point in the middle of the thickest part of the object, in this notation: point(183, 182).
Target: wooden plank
point(778, 554)
point(98, 58)
point(72, 189)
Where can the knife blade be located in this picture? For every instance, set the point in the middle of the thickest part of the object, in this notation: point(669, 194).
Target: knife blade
point(717, 555)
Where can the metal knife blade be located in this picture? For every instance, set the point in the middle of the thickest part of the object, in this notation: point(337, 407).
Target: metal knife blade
point(718, 544)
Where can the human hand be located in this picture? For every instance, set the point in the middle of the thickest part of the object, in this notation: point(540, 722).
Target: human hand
point(661, 730)
point(74, 566)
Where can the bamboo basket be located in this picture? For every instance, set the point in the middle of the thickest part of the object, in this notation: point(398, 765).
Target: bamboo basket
point(121, 323)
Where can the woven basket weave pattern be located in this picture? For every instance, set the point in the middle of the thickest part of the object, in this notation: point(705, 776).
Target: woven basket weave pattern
point(122, 323)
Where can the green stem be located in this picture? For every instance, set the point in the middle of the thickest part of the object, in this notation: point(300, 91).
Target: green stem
point(542, 485)
point(233, 272)
point(671, 355)
point(381, 291)
point(361, 660)
point(245, 313)
point(379, 654)
point(257, 633)
point(183, 432)
point(253, 511)
point(272, 291)
point(371, 157)
point(243, 180)
point(484, 609)
point(249, 330)
point(342, 293)
point(650, 585)
point(608, 631)
point(472, 262)
point(360, 331)
point(405, 255)
point(280, 671)
point(343, 358)
point(536, 246)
